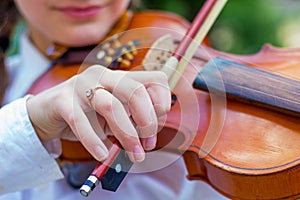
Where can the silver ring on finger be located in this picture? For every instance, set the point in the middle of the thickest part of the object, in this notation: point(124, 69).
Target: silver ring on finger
point(90, 93)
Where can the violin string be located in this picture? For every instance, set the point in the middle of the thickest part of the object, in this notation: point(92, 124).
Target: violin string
point(260, 67)
point(275, 87)
point(235, 58)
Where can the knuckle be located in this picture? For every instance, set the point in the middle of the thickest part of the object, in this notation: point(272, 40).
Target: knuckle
point(147, 127)
point(72, 120)
point(105, 106)
point(160, 77)
point(165, 108)
point(138, 92)
point(128, 140)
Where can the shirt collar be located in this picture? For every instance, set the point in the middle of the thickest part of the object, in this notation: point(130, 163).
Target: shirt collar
point(24, 68)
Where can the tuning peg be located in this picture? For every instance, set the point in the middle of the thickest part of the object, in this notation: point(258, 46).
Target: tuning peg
point(126, 53)
point(128, 56)
point(100, 54)
point(132, 45)
point(116, 43)
point(108, 59)
point(133, 50)
point(110, 51)
point(106, 45)
point(124, 50)
point(124, 63)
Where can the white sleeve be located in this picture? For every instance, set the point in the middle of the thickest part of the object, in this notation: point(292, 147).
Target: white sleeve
point(24, 162)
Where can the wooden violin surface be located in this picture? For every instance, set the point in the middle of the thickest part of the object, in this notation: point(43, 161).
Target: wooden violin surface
point(254, 154)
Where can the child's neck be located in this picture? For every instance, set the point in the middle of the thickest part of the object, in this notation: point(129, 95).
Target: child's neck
point(54, 50)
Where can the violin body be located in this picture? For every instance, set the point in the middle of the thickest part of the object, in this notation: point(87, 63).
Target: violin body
point(255, 154)
point(243, 151)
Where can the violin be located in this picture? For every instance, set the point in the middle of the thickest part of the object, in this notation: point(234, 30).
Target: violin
point(242, 150)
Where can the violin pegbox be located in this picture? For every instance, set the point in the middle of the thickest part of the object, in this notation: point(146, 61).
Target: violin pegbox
point(115, 55)
point(159, 52)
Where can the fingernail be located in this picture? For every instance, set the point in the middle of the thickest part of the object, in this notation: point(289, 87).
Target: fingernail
point(150, 143)
point(138, 153)
point(100, 153)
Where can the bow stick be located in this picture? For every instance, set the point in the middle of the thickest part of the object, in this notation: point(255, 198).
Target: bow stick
point(175, 65)
point(112, 172)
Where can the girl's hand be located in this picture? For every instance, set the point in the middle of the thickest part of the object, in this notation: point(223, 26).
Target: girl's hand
point(129, 103)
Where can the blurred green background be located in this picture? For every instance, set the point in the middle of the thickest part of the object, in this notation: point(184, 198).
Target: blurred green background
point(244, 25)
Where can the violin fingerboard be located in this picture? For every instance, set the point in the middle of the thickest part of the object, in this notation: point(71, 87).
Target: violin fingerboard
point(250, 85)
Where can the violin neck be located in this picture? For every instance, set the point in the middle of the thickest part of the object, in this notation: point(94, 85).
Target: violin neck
point(250, 85)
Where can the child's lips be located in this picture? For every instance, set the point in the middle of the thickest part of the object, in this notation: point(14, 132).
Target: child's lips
point(80, 12)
